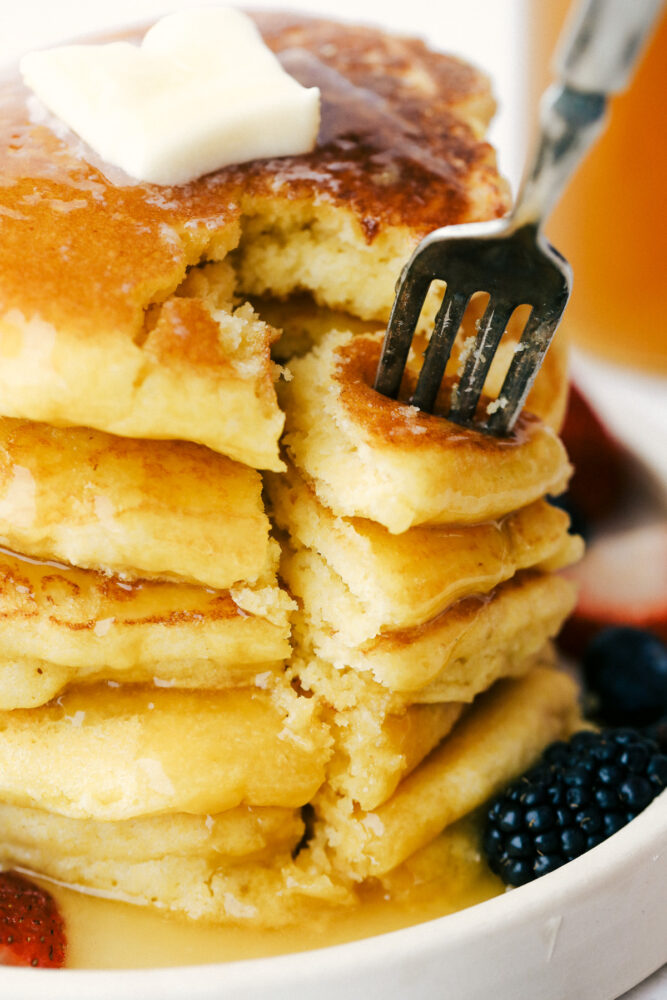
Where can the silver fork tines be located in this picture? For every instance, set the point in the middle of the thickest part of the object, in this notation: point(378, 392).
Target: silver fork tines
point(516, 268)
point(510, 259)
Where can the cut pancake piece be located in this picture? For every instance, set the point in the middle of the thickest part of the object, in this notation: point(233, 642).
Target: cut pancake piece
point(61, 625)
point(304, 325)
point(373, 755)
point(115, 753)
point(383, 459)
point(502, 735)
point(233, 867)
point(376, 742)
point(452, 864)
point(361, 580)
point(184, 370)
point(161, 509)
point(462, 651)
point(93, 330)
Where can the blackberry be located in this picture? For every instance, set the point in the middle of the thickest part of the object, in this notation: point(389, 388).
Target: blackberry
point(627, 669)
point(577, 795)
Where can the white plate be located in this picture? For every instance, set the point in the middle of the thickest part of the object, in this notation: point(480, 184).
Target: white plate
point(589, 931)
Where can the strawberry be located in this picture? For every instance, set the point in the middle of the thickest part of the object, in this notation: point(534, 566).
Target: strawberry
point(623, 581)
point(602, 469)
point(32, 931)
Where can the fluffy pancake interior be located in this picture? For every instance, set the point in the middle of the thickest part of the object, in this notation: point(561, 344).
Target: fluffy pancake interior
point(492, 744)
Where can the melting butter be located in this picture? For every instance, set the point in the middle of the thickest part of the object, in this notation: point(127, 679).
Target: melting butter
point(201, 92)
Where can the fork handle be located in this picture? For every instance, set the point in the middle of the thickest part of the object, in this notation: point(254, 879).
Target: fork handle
point(595, 57)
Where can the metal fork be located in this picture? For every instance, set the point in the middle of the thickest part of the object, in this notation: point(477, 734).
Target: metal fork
point(510, 258)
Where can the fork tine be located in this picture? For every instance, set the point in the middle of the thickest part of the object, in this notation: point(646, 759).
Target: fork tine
point(491, 328)
point(523, 369)
point(410, 295)
point(437, 353)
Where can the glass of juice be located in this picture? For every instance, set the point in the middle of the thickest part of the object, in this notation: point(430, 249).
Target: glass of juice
point(611, 223)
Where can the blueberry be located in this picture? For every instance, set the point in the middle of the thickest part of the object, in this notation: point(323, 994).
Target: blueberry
point(634, 758)
point(534, 796)
point(593, 839)
point(577, 776)
point(556, 794)
point(627, 668)
point(584, 741)
point(589, 820)
point(610, 774)
point(540, 818)
point(493, 840)
point(563, 817)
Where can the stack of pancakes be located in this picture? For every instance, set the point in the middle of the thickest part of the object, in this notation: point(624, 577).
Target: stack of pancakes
point(161, 731)
point(423, 558)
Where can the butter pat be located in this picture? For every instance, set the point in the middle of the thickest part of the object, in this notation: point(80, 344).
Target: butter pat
point(201, 92)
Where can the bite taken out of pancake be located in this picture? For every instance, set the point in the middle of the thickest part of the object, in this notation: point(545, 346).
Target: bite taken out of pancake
point(100, 325)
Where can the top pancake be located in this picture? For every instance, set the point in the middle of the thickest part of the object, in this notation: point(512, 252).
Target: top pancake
point(90, 329)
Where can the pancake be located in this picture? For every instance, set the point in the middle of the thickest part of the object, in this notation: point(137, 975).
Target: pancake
point(244, 832)
point(94, 330)
point(116, 753)
point(99, 501)
point(61, 625)
point(304, 325)
point(371, 756)
point(374, 457)
point(500, 737)
point(460, 652)
point(377, 738)
point(360, 579)
point(233, 867)
point(453, 861)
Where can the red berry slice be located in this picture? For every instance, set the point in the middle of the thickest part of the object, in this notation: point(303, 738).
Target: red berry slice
point(32, 931)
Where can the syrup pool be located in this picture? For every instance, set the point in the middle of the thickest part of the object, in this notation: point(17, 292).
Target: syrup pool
point(107, 934)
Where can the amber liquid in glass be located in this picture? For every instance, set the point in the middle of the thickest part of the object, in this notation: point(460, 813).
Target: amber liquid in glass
point(612, 221)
